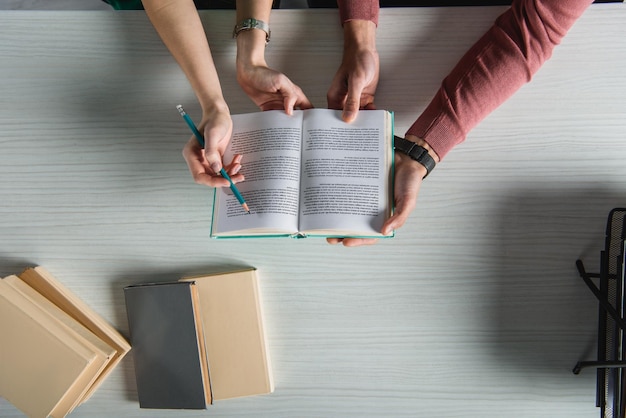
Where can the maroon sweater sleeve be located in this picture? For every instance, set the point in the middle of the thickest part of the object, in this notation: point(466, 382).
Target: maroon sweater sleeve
point(358, 10)
point(494, 68)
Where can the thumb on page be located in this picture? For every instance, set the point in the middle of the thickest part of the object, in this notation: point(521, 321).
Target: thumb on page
point(353, 101)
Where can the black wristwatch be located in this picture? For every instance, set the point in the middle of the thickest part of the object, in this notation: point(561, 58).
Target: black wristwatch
point(416, 152)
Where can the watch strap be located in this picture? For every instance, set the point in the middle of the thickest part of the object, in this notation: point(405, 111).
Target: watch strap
point(416, 152)
point(252, 23)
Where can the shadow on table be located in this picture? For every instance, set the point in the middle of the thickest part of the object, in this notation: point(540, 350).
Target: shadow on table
point(12, 265)
point(543, 314)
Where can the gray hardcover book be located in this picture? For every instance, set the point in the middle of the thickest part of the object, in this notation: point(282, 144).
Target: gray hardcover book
point(170, 363)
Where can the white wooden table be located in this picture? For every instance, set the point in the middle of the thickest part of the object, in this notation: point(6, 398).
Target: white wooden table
point(474, 309)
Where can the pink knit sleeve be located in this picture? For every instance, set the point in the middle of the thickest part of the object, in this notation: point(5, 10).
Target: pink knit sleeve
point(504, 59)
point(358, 10)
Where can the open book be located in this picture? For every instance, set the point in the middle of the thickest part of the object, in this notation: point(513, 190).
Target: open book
point(309, 174)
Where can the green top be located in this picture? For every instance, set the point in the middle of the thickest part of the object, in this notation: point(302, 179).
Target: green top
point(125, 4)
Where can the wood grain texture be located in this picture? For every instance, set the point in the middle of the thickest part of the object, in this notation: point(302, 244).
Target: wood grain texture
point(474, 309)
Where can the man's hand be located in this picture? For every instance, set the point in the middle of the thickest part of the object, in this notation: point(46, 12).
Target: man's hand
point(408, 179)
point(407, 182)
point(354, 84)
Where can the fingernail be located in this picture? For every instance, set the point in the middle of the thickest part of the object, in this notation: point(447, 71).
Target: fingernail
point(215, 167)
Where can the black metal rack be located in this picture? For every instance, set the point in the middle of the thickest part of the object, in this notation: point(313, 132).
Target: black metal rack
point(611, 358)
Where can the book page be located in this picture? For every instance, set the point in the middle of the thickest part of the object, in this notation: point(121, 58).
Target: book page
point(270, 143)
point(345, 183)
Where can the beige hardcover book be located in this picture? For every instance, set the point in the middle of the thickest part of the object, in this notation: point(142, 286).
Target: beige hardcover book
point(104, 351)
point(204, 364)
point(43, 282)
point(236, 347)
point(41, 362)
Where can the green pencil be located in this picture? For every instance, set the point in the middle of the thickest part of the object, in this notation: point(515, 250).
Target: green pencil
point(200, 139)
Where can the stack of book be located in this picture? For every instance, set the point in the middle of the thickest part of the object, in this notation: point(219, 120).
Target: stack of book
point(55, 351)
point(198, 340)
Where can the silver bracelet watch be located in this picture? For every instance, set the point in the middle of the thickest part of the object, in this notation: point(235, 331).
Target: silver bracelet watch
point(251, 23)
